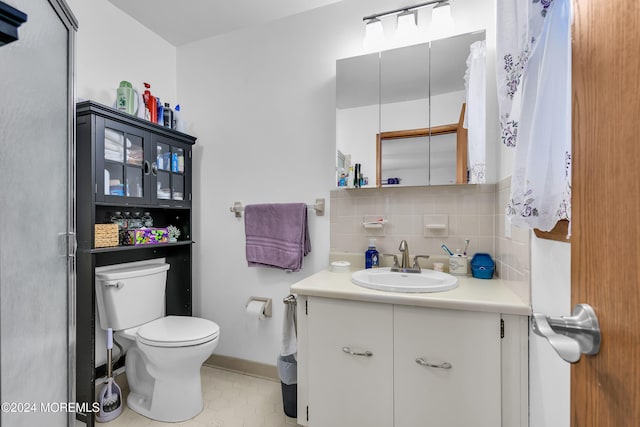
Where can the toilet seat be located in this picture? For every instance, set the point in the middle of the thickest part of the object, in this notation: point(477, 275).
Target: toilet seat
point(176, 331)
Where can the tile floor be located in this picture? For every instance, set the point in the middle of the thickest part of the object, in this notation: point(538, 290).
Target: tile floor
point(230, 400)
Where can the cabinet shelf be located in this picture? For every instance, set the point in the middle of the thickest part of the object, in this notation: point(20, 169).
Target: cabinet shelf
point(133, 248)
point(144, 205)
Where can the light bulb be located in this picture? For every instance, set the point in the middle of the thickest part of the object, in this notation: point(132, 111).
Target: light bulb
point(441, 21)
point(407, 28)
point(373, 35)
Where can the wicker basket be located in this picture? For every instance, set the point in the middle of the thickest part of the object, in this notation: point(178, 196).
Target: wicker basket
point(106, 235)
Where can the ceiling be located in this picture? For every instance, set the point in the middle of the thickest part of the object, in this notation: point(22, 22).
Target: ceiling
point(181, 22)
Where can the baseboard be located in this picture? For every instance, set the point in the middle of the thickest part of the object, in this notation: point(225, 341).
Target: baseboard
point(256, 369)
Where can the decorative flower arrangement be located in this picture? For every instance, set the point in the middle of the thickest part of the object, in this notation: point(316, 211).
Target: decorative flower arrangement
point(174, 233)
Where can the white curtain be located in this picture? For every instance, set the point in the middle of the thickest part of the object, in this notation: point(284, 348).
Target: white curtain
point(534, 91)
point(475, 112)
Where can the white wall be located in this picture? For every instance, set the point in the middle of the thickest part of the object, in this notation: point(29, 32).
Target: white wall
point(549, 375)
point(262, 103)
point(112, 46)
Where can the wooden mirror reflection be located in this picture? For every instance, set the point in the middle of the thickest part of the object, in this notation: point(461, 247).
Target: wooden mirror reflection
point(401, 156)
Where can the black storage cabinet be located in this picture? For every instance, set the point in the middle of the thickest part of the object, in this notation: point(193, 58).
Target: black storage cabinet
point(148, 183)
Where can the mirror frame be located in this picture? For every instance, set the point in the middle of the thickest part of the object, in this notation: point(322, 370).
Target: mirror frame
point(461, 145)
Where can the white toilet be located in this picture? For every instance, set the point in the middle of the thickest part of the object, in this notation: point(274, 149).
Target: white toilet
point(164, 354)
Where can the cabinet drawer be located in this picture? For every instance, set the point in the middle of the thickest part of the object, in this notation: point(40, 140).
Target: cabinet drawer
point(347, 385)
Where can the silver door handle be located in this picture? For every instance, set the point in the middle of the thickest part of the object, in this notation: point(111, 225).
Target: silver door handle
point(444, 365)
point(355, 353)
point(570, 336)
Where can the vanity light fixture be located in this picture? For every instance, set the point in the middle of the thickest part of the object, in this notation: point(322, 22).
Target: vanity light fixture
point(442, 23)
point(407, 26)
point(407, 19)
point(373, 35)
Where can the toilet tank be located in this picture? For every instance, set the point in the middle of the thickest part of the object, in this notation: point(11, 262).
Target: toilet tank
point(130, 294)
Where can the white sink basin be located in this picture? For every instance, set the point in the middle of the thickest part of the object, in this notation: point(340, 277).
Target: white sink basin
point(383, 279)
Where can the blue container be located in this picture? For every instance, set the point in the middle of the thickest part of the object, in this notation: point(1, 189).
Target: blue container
point(482, 266)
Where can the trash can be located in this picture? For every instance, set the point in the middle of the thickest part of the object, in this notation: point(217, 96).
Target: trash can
point(288, 372)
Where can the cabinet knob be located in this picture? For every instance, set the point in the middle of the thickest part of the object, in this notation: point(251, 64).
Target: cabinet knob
point(355, 353)
point(443, 365)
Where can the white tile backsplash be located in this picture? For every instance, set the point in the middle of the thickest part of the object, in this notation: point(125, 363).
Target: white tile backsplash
point(466, 207)
point(475, 212)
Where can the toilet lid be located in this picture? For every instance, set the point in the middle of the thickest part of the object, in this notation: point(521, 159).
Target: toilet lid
point(177, 331)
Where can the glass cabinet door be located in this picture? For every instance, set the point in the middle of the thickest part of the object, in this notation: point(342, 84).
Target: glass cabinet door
point(171, 162)
point(125, 172)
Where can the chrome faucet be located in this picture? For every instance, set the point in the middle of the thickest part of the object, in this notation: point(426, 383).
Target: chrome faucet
point(404, 248)
point(403, 266)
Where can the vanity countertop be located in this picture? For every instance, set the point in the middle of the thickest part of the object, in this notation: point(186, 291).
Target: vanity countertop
point(493, 295)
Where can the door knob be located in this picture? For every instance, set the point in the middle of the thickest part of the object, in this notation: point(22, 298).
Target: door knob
point(570, 336)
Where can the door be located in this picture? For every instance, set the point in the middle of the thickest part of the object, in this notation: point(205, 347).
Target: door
point(446, 367)
point(122, 168)
point(605, 253)
point(37, 275)
point(350, 363)
point(171, 167)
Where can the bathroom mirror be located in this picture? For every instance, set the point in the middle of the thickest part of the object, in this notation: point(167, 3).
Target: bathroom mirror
point(401, 156)
point(417, 92)
point(357, 111)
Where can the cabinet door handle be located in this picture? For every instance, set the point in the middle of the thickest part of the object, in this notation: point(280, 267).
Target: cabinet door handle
point(422, 362)
point(355, 353)
point(147, 167)
point(154, 168)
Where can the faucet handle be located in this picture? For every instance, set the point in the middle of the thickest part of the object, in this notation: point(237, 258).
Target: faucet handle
point(416, 265)
point(396, 264)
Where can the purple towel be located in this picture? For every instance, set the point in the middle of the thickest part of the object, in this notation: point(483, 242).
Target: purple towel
point(277, 235)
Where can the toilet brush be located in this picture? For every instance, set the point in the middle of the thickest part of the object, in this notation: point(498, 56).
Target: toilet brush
point(110, 397)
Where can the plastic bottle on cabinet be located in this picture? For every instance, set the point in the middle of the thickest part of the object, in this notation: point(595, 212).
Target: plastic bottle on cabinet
point(356, 176)
point(177, 119)
point(160, 115)
point(168, 116)
point(150, 103)
point(371, 256)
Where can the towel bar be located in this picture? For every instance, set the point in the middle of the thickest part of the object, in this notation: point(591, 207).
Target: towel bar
point(318, 206)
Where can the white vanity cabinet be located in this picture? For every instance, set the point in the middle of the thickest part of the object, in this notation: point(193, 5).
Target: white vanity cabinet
point(446, 367)
point(368, 364)
point(350, 363)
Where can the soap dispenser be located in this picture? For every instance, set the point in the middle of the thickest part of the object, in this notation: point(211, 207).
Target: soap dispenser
point(371, 257)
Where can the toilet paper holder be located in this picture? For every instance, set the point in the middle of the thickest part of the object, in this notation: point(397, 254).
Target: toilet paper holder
point(268, 311)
